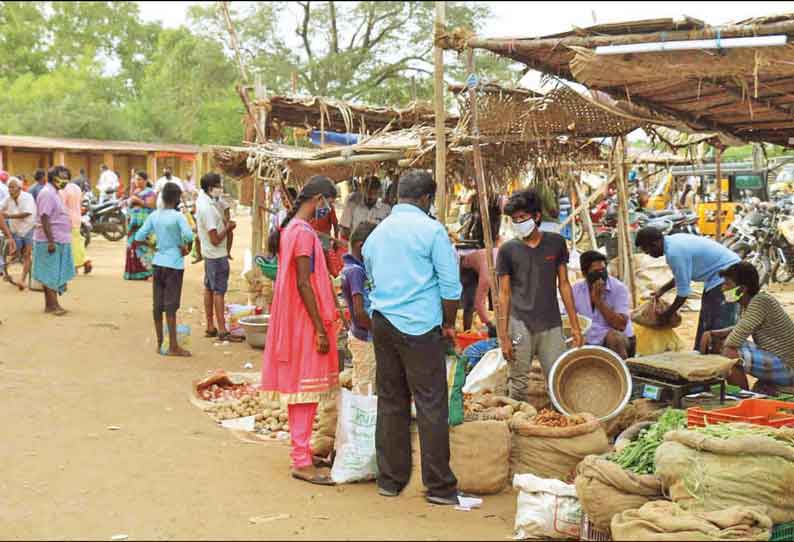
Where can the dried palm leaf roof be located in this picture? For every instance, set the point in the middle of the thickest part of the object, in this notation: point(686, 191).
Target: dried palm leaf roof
point(745, 93)
point(522, 115)
point(504, 162)
point(313, 112)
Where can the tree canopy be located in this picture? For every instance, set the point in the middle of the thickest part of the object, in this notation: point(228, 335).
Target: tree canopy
point(97, 70)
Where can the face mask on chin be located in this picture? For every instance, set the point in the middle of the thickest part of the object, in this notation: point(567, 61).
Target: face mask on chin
point(524, 229)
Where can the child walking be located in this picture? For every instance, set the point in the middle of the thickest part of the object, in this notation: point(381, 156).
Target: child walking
point(174, 238)
point(356, 289)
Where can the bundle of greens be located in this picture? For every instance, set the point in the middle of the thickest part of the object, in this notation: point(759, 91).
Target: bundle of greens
point(730, 430)
point(637, 456)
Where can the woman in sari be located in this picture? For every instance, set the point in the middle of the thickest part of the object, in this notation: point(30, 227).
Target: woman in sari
point(142, 202)
point(300, 361)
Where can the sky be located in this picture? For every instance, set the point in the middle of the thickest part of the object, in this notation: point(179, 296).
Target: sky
point(527, 19)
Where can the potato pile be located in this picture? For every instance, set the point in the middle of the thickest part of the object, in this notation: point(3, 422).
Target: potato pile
point(487, 406)
point(271, 416)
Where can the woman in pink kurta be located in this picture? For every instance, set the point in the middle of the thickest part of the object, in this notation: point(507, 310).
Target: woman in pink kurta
point(300, 361)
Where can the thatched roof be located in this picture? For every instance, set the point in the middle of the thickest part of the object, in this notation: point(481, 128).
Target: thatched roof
point(745, 93)
point(306, 112)
point(503, 162)
point(506, 114)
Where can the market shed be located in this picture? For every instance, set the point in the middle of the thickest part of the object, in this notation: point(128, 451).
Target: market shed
point(24, 154)
point(332, 115)
point(745, 92)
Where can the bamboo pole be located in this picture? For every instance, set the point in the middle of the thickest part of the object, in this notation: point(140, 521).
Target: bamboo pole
point(224, 7)
point(624, 236)
point(440, 115)
point(482, 191)
point(586, 205)
point(718, 160)
point(521, 45)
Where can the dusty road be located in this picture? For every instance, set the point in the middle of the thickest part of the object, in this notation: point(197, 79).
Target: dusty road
point(169, 471)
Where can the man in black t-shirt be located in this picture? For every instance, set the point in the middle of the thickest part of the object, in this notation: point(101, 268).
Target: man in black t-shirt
point(531, 268)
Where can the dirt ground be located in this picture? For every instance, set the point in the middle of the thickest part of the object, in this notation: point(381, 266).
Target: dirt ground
point(169, 471)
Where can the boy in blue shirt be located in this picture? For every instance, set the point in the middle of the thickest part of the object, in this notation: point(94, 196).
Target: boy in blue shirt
point(174, 239)
point(356, 289)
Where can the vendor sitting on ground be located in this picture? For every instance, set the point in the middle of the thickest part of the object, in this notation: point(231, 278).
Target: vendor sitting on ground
point(770, 357)
point(605, 300)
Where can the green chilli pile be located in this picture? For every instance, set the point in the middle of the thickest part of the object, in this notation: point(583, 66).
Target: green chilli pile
point(638, 455)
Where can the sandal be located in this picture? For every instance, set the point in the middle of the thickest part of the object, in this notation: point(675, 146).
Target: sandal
point(230, 338)
point(211, 334)
point(87, 268)
point(313, 478)
point(321, 462)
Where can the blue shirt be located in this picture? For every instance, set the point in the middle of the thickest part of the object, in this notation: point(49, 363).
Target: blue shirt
point(692, 257)
point(412, 267)
point(356, 282)
point(171, 229)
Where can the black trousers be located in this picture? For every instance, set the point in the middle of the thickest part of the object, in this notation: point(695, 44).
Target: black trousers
point(412, 365)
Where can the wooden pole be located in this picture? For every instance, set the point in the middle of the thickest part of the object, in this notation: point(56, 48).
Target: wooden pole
point(482, 190)
point(224, 7)
point(585, 212)
point(718, 160)
point(440, 115)
point(624, 236)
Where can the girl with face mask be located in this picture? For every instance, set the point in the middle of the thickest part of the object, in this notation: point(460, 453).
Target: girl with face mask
point(300, 361)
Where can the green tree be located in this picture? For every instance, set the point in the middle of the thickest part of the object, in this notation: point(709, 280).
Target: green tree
point(368, 51)
point(187, 92)
point(21, 47)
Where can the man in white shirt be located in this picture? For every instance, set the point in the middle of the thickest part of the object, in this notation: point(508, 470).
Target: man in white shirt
point(19, 209)
point(364, 206)
point(213, 233)
point(167, 177)
point(3, 187)
point(107, 184)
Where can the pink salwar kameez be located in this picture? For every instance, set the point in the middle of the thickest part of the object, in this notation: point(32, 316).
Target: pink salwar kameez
point(292, 366)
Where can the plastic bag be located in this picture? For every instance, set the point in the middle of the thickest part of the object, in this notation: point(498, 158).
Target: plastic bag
point(355, 439)
point(546, 508)
point(234, 313)
point(490, 373)
point(182, 338)
point(456, 377)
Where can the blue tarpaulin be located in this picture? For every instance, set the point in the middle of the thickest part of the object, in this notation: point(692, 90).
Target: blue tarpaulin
point(335, 138)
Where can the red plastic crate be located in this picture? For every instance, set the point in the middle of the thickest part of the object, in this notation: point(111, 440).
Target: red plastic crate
point(756, 411)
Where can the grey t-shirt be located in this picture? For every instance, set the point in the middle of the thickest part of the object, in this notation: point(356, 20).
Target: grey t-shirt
point(533, 279)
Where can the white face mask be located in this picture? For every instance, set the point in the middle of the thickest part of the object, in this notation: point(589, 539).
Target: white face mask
point(432, 210)
point(216, 192)
point(524, 229)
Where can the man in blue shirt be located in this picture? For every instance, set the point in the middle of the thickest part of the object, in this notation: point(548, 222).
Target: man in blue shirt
point(693, 258)
point(174, 237)
point(414, 301)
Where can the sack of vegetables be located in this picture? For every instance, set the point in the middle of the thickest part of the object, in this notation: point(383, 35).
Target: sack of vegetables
point(718, 466)
point(550, 445)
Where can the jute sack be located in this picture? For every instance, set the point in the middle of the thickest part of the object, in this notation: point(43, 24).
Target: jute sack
point(537, 395)
point(702, 473)
point(479, 458)
point(663, 520)
point(605, 489)
point(322, 441)
point(554, 452)
point(648, 315)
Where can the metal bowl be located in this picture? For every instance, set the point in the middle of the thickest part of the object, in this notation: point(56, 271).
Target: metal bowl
point(590, 379)
point(255, 328)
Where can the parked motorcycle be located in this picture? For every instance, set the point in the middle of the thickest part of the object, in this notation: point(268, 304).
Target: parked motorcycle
point(107, 218)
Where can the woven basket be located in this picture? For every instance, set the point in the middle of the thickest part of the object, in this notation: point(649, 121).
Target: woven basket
point(590, 379)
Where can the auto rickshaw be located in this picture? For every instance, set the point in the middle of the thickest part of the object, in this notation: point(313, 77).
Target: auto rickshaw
point(740, 181)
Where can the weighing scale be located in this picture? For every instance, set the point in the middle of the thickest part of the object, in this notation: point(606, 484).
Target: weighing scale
point(660, 385)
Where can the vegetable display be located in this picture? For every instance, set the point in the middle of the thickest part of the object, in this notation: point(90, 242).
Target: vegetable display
point(731, 430)
point(638, 455)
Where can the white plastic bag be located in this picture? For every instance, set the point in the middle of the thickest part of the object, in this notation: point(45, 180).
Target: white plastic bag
point(546, 508)
point(489, 373)
point(355, 438)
